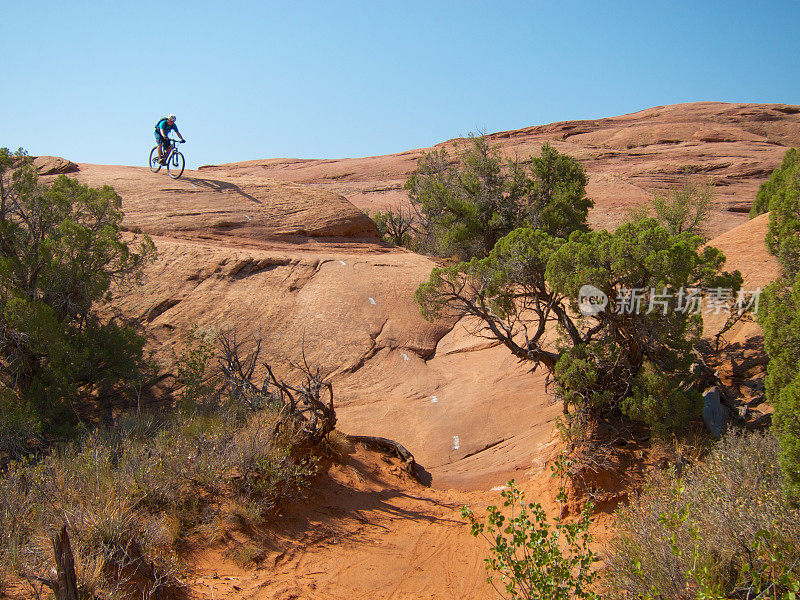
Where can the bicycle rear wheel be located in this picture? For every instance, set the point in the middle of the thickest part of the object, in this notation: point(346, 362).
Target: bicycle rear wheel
point(155, 165)
point(175, 164)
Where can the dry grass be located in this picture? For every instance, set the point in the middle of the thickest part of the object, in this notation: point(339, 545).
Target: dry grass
point(723, 528)
point(337, 446)
point(132, 495)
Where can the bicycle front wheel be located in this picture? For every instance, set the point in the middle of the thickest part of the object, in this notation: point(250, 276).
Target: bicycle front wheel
point(155, 165)
point(175, 164)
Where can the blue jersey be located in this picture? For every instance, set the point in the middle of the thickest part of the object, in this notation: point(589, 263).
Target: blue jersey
point(164, 127)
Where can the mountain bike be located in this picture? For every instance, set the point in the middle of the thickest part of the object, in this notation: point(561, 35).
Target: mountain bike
point(173, 160)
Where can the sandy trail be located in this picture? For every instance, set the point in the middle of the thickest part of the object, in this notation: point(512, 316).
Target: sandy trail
point(367, 531)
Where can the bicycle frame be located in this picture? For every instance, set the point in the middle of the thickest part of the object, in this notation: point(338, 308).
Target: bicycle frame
point(173, 146)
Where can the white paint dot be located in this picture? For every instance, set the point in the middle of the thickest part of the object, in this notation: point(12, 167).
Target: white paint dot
point(372, 301)
point(341, 262)
point(434, 399)
point(456, 442)
point(405, 356)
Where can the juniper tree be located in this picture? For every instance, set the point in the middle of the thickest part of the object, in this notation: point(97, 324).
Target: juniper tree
point(631, 358)
point(60, 251)
point(465, 204)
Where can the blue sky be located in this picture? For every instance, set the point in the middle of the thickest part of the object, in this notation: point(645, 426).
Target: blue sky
point(249, 80)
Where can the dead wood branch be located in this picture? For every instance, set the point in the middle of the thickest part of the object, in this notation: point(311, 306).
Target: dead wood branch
point(306, 409)
point(390, 447)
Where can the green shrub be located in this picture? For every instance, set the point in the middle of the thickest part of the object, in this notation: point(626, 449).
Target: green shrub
point(533, 558)
point(776, 184)
point(780, 315)
point(395, 226)
point(466, 205)
point(61, 250)
point(683, 209)
point(198, 386)
point(623, 360)
point(660, 401)
point(722, 529)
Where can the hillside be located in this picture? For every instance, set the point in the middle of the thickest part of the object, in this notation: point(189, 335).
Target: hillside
point(278, 249)
point(281, 250)
point(735, 146)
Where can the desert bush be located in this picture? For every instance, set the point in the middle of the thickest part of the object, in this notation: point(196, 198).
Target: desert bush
point(619, 360)
point(721, 529)
point(129, 499)
point(464, 205)
point(686, 208)
point(192, 371)
point(780, 315)
point(395, 226)
point(130, 494)
point(534, 558)
point(776, 184)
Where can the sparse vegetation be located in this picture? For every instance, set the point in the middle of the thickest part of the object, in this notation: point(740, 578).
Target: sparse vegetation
point(721, 529)
point(132, 495)
point(533, 558)
point(465, 205)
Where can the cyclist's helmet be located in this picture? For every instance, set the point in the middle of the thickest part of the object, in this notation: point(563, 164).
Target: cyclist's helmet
point(171, 117)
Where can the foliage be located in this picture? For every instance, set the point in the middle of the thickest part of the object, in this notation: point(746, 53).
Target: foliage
point(777, 182)
point(630, 357)
point(192, 370)
point(723, 529)
point(395, 226)
point(465, 205)
point(554, 192)
point(780, 315)
point(60, 251)
point(780, 318)
point(783, 191)
point(133, 495)
point(533, 558)
point(686, 209)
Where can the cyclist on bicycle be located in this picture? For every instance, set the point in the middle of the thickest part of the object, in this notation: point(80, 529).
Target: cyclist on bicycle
point(163, 127)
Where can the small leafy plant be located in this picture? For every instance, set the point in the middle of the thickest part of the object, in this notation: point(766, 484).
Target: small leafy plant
point(532, 557)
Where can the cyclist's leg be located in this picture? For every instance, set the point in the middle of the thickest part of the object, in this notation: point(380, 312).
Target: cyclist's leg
point(159, 143)
point(164, 149)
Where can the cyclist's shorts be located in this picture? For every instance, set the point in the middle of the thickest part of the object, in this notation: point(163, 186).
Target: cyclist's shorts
point(160, 139)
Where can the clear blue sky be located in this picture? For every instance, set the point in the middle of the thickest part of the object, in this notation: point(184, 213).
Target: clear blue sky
point(87, 80)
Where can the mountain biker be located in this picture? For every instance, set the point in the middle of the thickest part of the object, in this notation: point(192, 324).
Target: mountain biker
point(163, 127)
